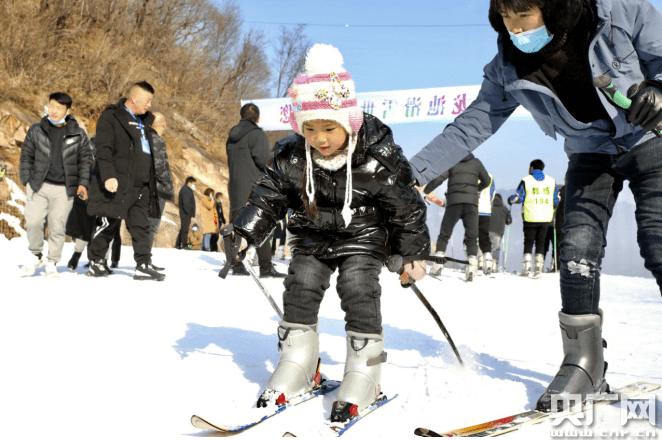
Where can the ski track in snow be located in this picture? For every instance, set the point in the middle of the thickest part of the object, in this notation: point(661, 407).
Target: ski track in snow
point(117, 358)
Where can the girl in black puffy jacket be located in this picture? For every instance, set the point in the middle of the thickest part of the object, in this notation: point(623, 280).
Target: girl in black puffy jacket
point(353, 203)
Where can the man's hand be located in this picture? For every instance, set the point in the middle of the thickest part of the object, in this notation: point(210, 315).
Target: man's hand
point(646, 109)
point(111, 185)
point(413, 272)
point(82, 192)
point(432, 197)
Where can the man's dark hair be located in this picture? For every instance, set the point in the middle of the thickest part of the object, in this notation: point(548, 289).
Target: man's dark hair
point(250, 112)
point(145, 86)
point(537, 164)
point(498, 196)
point(190, 180)
point(218, 194)
point(61, 98)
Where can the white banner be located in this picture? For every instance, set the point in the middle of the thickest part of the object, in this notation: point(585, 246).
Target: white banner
point(441, 104)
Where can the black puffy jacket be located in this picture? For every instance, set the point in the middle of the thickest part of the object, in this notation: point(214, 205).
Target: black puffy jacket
point(388, 213)
point(117, 147)
point(463, 186)
point(36, 156)
point(165, 187)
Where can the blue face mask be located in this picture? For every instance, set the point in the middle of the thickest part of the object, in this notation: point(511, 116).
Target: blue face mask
point(531, 41)
point(57, 122)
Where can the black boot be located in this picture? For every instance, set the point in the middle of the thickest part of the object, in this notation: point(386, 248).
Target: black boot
point(145, 272)
point(583, 368)
point(73, 262)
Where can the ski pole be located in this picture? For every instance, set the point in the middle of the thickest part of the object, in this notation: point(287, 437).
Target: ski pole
point(505, 247)
point(264, 290)
point(609, 89)
point(395, 264)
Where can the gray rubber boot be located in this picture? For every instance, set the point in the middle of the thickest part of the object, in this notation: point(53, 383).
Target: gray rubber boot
point(297, 370)
point(583, 368)
point(361, 383)
point(526, 264)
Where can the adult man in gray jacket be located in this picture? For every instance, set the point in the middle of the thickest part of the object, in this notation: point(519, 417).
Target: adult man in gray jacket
point(606, 144)
point(54, 167)
point(248, 154)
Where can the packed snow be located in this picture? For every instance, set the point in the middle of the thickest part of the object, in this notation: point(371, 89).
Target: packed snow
point(117, 358)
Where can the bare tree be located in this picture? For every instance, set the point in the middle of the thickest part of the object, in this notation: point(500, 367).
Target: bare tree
point(290, 49)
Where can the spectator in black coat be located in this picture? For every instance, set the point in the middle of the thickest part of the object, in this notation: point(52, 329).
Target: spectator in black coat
point(124, 184)
point(186, 212)
point(221, 221)
point(500, 218)
point(248, 154)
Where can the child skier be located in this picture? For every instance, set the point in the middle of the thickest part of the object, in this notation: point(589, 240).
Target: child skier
point(353, 203)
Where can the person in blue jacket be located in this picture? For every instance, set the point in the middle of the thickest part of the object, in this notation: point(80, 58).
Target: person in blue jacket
point(549, 53)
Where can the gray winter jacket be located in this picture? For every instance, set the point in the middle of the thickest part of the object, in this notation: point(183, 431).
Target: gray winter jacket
point(463, 186)
point(36, 156)
point(626, 47)
point(248, 154)
point(500, 217)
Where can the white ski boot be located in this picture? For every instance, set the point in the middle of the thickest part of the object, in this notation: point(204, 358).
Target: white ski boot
point(488, 264)
point(583, 368)
point(361, 383)
point(540, 261)
point(526, 265)
point(436, 267)
point(298, 368)
point(471, 269)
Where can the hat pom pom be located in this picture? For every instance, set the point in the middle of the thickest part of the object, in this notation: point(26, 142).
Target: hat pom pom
point(293, 122)
point(356, 119)
point(324, 58)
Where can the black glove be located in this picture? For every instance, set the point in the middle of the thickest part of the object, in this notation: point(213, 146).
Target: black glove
point(510, 201)
point(646, 108)
point(233, 244)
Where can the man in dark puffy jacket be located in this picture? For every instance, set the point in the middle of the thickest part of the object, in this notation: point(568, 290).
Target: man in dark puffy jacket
point(248, 154)
point(186, 202)
point(461, 203)
point(54, 167)
point(124, 183)
point(164, 184)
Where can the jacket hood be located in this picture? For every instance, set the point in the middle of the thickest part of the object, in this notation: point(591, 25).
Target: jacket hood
point(497, 202)
point(560, 17)
point(468, 157)
point(241, 129)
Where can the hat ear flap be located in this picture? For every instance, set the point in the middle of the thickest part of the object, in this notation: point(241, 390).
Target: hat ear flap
point(293, 122)
point(356, 119)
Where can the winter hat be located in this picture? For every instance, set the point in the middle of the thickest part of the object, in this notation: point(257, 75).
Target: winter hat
point(325, 91)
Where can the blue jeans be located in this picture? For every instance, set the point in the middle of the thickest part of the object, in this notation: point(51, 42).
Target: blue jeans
point(358, 288)
point(206, 242)
point(594, 182)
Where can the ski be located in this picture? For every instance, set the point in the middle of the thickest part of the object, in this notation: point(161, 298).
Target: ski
point(533, 417)
point(325, 387)
point(341, 428)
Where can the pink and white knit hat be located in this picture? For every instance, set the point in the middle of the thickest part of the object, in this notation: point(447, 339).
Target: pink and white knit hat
point(325, 91)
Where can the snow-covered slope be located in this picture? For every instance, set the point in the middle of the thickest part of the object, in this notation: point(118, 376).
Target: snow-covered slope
point(116, 358)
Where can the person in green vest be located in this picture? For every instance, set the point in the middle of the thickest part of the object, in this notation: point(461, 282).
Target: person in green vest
point(539, 196)
point(485, 199)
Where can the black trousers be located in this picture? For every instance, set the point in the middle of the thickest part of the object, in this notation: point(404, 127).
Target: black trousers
point(535, 233)
point(182, 237)
point(469, 215)
point(484, 240)
point(137, 223)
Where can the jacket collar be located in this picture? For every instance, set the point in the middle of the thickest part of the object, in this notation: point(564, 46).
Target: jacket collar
point(71, 125)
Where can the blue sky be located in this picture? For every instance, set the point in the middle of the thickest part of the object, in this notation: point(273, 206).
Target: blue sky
point(398, 58)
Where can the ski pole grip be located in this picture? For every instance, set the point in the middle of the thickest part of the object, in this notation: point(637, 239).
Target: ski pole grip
point(609, 89)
